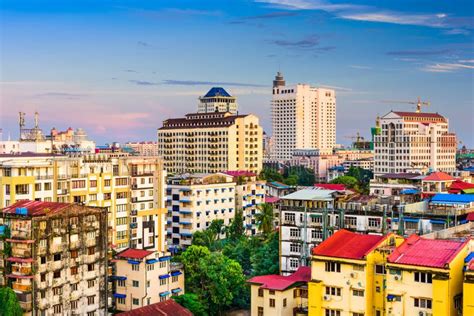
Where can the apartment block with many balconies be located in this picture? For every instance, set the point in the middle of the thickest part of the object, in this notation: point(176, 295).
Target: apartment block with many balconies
point(55, 257)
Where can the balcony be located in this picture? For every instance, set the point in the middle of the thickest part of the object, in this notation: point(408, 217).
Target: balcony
point(20, 233)
point(90, 242)
point(21, 270)
point(133, 213)
point(91, 258)
point(55, 265)
point(133, 225)
point(22, 287)
point(21, 252)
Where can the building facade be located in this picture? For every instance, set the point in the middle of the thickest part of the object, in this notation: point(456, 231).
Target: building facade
point(194, 201)
point(144, 278)
point(57, 261)
point(303, 117)
point(412, 141)
point(132, 189)
point(211, 142)
point(217, 100)
point(144, 148)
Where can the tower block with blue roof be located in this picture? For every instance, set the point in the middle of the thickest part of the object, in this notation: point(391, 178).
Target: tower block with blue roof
point(217, 100)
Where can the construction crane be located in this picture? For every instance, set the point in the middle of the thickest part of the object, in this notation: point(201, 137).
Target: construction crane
point(357, 138)
point(419, 103)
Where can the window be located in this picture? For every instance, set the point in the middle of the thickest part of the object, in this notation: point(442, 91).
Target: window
point(57, 274)
point(260, 311)
point(91, 250)
point(57, 257)
point(73, 287)
point(271, 292)
point(358, 267)
point(294, 263)
point(272, 302)
point(93, 183)
point(284, 302)
point(358, 293)
point(332, 312)
point(90, 283)
point(73, 270)
point(294, 232)
point(295, 247)
point(43, 260)
point(38, 187)
point(331, 290)
point(379, 269)
point(58, 290)
point(121, 300)
point(332, 266)
point(423, 277)
point(163, 281)
point(90, 267)
point(174, 278)
point(136, 301)
point(135, 283)
point(107, 183)
point(74, 304)
point(260, 292)
point(357, 314)
point(22, 189)
point(121, 283)
point(90, 300)
point(57, 309)
point(73, 254)
point(422, 302)
point(91, 313)
point(135, 267)
point(47, 186)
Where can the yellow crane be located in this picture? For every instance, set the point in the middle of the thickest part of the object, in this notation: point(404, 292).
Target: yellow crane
point(419, 103)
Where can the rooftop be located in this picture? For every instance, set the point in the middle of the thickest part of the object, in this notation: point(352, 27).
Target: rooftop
point(217, 92)
point(36, 208)
point(331, 186)
point(278, 185)
point(310, 194)
point(403, 175)
point(271, 199)
point(240, 173)
point(165, 308)
point(418, 251)
point(421, 116)
point(279, 282)
point(447, 198)
point(438, 176)
point(459, 185)
point(348, 245)
point(134, 253)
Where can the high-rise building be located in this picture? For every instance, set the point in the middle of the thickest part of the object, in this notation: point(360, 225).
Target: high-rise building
point(144, 148)
point(57, 258)
point(303, 117)
point(414, 141)
point(211, 142)
point(131, 188)
point(217, 100)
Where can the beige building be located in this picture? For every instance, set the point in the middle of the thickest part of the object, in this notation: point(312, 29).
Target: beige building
point(280, 295)
point(144, 148)
point(58, 257)
point(145, 277)
point(211, 142)
point(194, 201)
point(303, 117)
point(132, 189)
point(413, 141)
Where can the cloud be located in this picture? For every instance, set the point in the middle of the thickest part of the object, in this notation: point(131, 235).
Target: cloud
point(143, 83)
point(457, 32)
point(271, 15)
point(172, 13)
point(209, 83)
point(466, 61)
point(446, 67)
point(368, 13)
point(360, 67)
point(59, 95)
point(130, 70)
point(144, 44)
point(337, 88)
point(326, 48)
point(431, 52)
point(308, 42)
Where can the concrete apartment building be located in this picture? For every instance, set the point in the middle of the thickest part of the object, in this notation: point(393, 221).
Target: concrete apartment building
point(194, 201)
point(58, 258)
point(131, 188)
point(218, 100)
point(249, 194)
point(145, 277)
point(414, 141)
point(303, 117)
point(144, 148)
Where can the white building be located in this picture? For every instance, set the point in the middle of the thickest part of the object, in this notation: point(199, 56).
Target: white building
point(303, 117)
point(413, 141)
point(144, 148)
point(217, 100)
point(194, 201)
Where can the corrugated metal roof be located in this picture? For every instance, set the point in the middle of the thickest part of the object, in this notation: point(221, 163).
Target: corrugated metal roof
point(165, 308)
point(438, 176)
point(134, 253)
point(315, 194)
point(348, 245)
point(37, 208)
point(279, 282)
point(452, 198)
point(435, 253)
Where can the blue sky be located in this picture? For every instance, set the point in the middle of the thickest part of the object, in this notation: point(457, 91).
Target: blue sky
point(118, 68)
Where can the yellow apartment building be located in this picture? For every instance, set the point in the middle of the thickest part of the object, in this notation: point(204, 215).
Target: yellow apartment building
point(277, 295)
point(425, 277)
point(468, 287)
point(348, 273)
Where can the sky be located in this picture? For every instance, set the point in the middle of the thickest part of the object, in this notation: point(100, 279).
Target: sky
point(118, 68)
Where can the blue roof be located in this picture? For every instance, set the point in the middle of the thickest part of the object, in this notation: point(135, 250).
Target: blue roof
point(452, 198)
point(409, 191)
point(217, 92)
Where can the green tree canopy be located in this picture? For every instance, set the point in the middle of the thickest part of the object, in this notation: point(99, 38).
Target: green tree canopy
point(9, 305)
point(348, 181)
point(236, 228)
point(265, 218)
point(265, 259)
point(191, 302)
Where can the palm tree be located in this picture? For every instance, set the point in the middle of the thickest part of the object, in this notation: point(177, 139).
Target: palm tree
point(265, 218)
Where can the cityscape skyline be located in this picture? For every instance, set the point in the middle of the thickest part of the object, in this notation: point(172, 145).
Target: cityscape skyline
point(130, 57)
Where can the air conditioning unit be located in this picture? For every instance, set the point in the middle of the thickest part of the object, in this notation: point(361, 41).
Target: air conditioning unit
point(327, 297)
point(397, 278)
point(353, 275)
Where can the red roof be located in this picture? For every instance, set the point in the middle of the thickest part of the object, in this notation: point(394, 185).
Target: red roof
point(36, 208)
point(240, 173)
point(421, 116)
point(21, 260)
point(271, 199)
point(470, 217)
point(417, 251)
point(349, 245)
point(331, 186)
point(459, 185)
point(279, 282)
point(134, 253)
point(438, 176)
point(165, 308)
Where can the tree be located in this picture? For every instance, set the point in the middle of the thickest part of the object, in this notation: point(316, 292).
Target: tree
point(216, 228)
point(265, 218)
point(236, 227)
point(348, 181)
point(265, 259)
point(191, 302)
point(240, 250)
point(270, 174)
point(9, 305)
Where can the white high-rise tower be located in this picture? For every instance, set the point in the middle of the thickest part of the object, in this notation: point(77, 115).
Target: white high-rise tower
point(303, 117)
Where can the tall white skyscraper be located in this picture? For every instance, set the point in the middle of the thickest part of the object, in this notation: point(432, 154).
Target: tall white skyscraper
point(303, 117)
